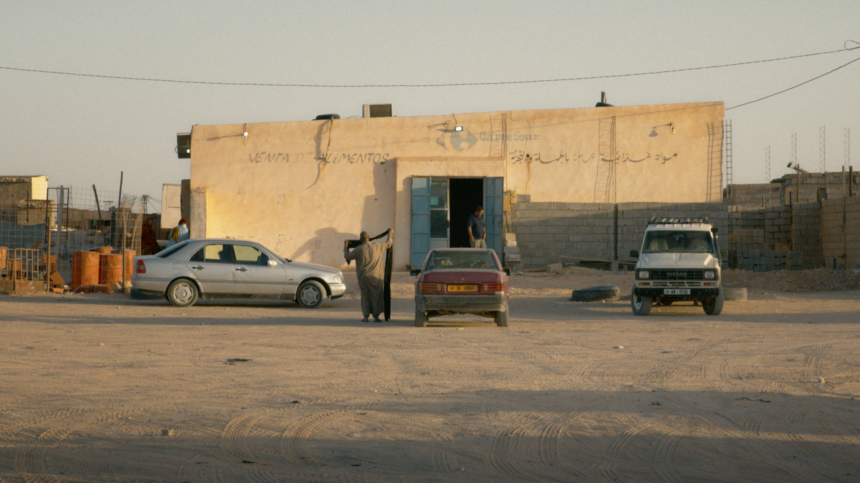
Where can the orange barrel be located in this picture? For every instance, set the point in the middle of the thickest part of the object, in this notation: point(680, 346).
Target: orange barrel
point(110, 269)
point(104, 250)
point(128, 259)
point(85, 269)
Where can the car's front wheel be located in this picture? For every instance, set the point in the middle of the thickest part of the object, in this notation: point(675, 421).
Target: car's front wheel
point(182, 292)
point(501, 318)
point(311, 294)
point(420, 318)
point(641, 305)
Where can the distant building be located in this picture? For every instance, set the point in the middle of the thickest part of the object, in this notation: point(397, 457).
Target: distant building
point(303, 187)
point(783, 191)
point(14, 189)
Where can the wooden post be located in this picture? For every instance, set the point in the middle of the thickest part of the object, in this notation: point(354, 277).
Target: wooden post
point(48, 232)
point(797, 195)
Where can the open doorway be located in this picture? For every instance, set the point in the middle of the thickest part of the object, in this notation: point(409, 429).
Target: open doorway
point(465, 194)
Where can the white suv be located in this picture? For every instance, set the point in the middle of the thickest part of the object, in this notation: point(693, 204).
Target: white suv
point(679, 261)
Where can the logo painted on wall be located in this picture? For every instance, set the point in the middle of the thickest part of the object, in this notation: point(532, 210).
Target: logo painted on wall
point(460, 141)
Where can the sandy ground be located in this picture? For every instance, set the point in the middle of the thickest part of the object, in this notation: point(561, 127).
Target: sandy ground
point(768, 391)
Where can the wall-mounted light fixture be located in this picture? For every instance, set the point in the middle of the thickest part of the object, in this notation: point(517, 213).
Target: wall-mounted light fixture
point(245, 132)
point(654, 129)
point(458, 128)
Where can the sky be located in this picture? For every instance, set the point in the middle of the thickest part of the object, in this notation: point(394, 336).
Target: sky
point(81, 130)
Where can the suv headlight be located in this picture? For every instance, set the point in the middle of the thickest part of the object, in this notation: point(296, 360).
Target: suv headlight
point(710, 274)
point(643, 274)
point(338, 278)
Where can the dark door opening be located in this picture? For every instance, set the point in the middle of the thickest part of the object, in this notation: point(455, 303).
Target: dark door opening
point(465, 194)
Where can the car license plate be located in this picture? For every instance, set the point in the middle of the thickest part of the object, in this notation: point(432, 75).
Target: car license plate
point(676, 291)
point(462, 288)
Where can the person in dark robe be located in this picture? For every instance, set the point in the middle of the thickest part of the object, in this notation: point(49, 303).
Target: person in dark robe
point(370, 267)
point(148, 238)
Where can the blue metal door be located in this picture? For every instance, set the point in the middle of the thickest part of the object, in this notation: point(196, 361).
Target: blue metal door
point(494, 189)
point(420, 220)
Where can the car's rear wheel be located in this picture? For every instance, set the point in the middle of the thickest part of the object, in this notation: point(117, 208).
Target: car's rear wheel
point(182, 292)
point(641, 305)
point(420, 318)
point(501, 318)
point(715, 305)
point(310, 294)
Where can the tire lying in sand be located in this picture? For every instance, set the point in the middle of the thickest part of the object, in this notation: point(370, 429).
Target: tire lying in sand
point(605, 293)
point(734, 294)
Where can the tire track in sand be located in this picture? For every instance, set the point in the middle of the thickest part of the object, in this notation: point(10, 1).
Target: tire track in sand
point(234, 444)
point(293, 439)
point(30, 461)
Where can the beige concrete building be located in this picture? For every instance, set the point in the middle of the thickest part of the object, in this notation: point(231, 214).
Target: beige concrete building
point(303, 187)
point(15, 189)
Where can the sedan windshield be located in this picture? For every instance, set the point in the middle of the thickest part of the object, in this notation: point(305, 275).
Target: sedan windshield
point(678, 242)
point(459, 260)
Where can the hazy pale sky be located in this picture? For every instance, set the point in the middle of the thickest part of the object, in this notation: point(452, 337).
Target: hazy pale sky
point(85, 130)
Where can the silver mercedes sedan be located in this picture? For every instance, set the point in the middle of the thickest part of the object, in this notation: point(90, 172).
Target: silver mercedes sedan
point(221, 268)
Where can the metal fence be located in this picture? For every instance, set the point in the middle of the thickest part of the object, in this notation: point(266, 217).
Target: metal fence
point(70, 220)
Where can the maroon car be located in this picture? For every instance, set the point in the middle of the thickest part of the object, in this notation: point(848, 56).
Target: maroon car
point(462, 281)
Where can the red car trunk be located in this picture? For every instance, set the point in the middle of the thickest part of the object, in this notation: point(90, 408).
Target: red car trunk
point(443, 282)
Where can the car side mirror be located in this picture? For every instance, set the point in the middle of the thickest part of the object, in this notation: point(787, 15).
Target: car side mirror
point(414, 273)
point(634, 254)
point(273, 263)
point(507, 270)
point(714, 230)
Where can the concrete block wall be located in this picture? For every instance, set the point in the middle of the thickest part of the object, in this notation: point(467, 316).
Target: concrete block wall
point(777, 229)
point(546, 231)
point(747, 239)
point(768, 260)
point(840, 232)
point(745, 218)
point(806, 233)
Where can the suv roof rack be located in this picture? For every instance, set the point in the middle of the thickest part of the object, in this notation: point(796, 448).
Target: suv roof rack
point(662, 220)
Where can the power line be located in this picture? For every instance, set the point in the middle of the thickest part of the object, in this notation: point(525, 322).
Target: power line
point(453, 84)
point(794, 87)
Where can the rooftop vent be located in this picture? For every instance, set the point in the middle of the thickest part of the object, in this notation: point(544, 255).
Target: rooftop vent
point(322, 117)
point(377, 110)
point(602, 102)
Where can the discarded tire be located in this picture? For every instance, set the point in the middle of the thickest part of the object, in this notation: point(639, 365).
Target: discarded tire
point(597, 294)
point(735, 294)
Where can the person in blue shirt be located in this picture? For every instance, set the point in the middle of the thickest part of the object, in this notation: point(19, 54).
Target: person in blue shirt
point(477, 233)
point(179, 233)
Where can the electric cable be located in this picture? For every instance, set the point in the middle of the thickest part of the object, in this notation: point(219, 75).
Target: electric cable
point(453, 84)
point(793, 87)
